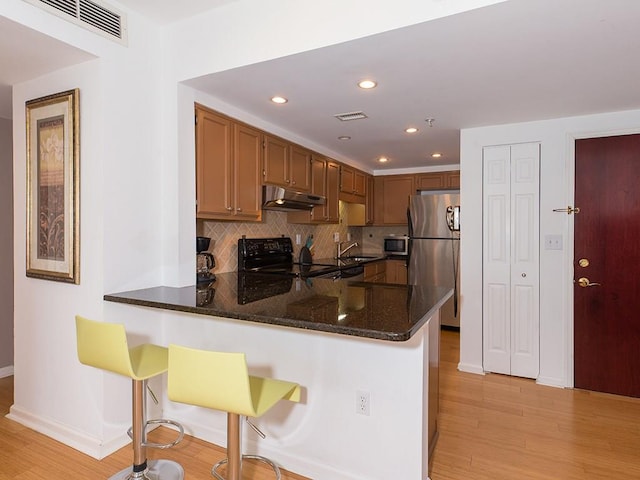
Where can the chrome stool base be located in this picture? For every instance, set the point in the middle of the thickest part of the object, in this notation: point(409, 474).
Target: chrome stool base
point(157, 470)
point(259, 458)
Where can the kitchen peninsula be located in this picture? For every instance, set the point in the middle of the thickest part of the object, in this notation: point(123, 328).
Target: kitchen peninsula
point(341, 340)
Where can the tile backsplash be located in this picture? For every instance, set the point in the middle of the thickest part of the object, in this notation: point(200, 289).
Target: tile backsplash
point(224, 236)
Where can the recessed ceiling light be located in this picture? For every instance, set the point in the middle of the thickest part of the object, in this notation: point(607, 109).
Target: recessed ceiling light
point(367, 84)
point(411, 130)
point(436, 155)
point(344, 137)
point(383, 159)
point(278, 99)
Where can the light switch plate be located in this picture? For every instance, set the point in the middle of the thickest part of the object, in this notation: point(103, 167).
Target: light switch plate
point(553, 242)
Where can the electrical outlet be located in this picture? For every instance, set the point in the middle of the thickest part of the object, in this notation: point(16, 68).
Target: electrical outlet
point(363, 402)
point(298, 239)
point(336, 237)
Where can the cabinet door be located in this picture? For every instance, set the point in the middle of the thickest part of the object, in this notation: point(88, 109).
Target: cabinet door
point(396, 192)
point(430, 181)
point(352, 181)
point(276, 161)
point(359, 183)
point(369, 208)
point(300, 168)
point(346, 179)
point(319, 187)
point(247, 156)
point(396, 272)
point(449, 180)
point(453, 179)
point(332, 211)
point(214, 165)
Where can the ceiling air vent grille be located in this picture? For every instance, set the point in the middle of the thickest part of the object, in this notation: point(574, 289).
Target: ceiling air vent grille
point(89, 14)
point(345, 117)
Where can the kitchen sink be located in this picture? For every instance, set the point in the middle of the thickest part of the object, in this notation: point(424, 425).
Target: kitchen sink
point(361, 258)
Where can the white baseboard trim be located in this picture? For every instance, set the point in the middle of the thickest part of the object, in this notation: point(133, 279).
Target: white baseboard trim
point(470, 368)
point(551, 382)
point(6, 371)
point(82, 442)
point(281, 457)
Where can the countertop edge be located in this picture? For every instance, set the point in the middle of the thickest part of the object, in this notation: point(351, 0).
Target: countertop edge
point(399, 336)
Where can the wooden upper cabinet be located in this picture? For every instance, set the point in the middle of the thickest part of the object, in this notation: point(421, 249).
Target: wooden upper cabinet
point(214, 164)
point(276, 161)
point(247, 153)
point(300, 168)
point(228, 161)
point(369, 202)
point(352, 181)
point(325, 179)
point(438, 180)
point(286, 164)
point(333, 193)
point(453, 179)
point(392, 199)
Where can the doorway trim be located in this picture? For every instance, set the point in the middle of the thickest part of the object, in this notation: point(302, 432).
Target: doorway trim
point(570, 234)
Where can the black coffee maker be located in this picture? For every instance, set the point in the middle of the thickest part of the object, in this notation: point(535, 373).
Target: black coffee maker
point(204, 261)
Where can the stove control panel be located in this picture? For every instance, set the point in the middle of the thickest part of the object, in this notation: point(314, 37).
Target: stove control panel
point(263, 252)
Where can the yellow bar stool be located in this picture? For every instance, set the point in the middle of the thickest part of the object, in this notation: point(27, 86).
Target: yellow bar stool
point(104, 345)
point(221, 381)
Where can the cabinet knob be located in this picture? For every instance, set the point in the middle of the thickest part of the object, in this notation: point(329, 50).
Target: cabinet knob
point(229, 208)
point(288, 181)
point(238, 209)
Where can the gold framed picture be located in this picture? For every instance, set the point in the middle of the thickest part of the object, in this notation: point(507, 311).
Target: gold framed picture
point(53, 187)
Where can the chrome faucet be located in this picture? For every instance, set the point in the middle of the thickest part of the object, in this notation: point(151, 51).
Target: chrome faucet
point(340, 252)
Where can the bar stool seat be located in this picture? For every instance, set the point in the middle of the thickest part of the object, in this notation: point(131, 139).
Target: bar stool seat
point(104, 345)
point(221, 381)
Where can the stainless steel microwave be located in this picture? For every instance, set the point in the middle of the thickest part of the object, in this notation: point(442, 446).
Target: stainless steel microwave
point(396, 245)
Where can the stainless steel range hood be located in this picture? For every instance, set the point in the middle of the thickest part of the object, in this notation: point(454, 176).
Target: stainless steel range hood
point(278, 198)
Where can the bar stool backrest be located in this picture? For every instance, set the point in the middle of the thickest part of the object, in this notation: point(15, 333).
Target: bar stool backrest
point(216, 380)
point(103, 345)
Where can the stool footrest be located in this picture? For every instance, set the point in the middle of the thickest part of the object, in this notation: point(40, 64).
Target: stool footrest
point(161, 421)
point(259, 458)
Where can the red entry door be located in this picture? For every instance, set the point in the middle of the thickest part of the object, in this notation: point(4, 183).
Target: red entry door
point(607, 265)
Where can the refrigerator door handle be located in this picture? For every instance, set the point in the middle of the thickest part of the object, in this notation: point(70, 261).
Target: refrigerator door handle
point(409, 222)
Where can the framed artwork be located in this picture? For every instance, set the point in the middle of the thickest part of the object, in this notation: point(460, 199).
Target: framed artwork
point(53, 177)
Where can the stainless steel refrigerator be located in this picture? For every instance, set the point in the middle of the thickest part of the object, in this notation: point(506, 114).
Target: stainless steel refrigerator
point(434, 246)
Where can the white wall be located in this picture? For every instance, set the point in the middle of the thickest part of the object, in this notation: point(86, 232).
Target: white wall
point(556, 267)
point(6, 249)
point(120, 229)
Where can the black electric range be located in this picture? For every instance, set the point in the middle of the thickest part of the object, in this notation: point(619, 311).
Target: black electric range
point(274, 256)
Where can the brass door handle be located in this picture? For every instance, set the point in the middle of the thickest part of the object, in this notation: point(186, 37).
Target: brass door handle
point(584, 282)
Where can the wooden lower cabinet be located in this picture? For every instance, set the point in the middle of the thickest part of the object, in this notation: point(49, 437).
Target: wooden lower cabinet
point(396, 272)
point(374, 272)
point(228, 168)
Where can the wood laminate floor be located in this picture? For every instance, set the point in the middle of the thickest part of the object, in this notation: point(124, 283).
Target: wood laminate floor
point(491, 427)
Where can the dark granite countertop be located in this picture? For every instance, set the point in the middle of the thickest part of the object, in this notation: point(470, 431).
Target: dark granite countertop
point(369, 310)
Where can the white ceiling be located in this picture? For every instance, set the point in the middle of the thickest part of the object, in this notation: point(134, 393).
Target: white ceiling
point(515, 61)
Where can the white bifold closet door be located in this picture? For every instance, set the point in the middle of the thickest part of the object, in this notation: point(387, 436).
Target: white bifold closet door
point(511, 264)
